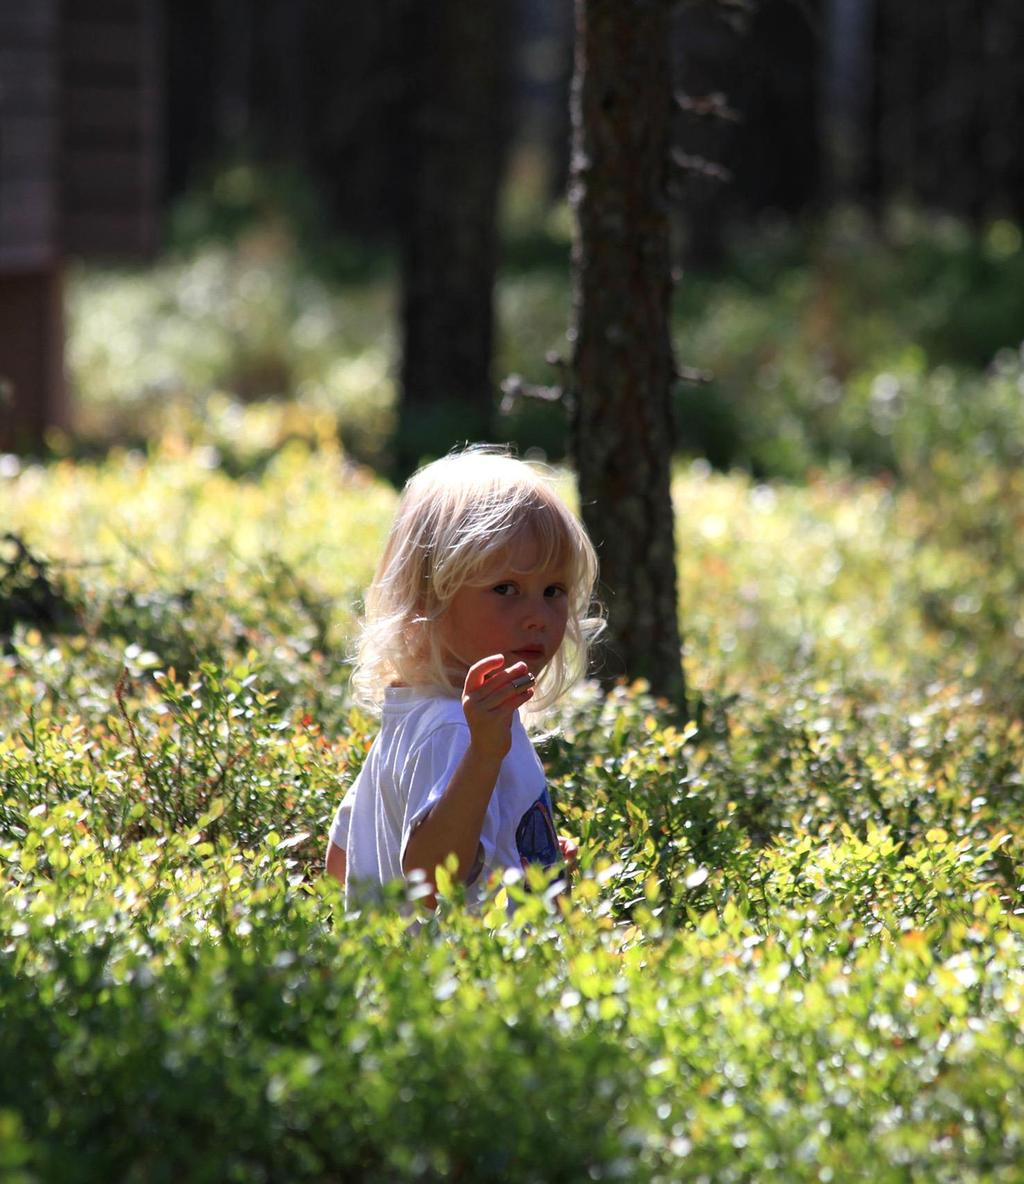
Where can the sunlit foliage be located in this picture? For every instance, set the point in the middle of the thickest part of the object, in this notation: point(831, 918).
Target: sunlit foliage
point(794, 947)
point(872, 346)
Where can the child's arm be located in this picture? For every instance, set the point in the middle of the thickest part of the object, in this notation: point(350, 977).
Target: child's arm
point(337, 839)
point(454, 824)
point(335, 865)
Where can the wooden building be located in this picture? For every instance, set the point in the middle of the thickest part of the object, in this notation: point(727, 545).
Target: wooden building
point(79, 153)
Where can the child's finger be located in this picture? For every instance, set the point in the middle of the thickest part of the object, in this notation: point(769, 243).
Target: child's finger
point(503, 686)
point(493, 677)
point(500, 702)
point(476, 675)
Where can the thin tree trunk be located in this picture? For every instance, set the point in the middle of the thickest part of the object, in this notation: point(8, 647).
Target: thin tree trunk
point(623, 368)
point(234, 96)
point(286, 36)
point(449, 256)
point(849, 27)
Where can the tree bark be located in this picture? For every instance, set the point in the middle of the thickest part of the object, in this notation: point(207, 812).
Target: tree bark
point(623, 368)
point(449, 226)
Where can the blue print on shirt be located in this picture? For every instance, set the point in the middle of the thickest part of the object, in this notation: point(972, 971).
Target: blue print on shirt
point(536, 838)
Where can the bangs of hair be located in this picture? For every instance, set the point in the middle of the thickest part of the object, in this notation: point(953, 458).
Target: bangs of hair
point(539, 527)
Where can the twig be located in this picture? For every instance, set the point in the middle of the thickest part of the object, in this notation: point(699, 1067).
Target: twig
point(147, 774)
point(514, 388)
point(713, 106)
point(700, 165)
point(690, 374)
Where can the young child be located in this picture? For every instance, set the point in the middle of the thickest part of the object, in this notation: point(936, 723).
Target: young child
point(481, 604)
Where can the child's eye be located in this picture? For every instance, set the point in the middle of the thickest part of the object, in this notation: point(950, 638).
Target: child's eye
point(554, 590)
point(505, 589)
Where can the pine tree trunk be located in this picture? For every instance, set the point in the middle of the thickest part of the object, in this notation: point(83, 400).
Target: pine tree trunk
point(849, 29)
point(623, 368)
point(449, 232)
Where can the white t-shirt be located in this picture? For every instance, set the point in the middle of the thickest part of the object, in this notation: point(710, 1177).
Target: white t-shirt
point(422, 739)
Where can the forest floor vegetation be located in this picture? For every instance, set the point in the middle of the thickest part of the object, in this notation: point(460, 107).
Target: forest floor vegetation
point(794, 949)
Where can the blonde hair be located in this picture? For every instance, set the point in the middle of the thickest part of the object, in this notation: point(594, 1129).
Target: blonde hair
point(454, 517)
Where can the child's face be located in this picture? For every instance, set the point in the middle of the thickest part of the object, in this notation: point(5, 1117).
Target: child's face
point(521, 612)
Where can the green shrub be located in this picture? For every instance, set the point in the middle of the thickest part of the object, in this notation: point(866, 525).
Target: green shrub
point(840, 344)
point(793, 950)
point(182, 987)
point(855, 347)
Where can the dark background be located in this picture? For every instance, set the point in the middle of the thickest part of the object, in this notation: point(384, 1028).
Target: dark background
point(851, 99)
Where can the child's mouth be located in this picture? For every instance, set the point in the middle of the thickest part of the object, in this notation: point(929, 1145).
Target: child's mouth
point(531, 652)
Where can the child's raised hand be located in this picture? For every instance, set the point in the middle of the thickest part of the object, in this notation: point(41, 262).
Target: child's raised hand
point(570, 852)
point(490, 696)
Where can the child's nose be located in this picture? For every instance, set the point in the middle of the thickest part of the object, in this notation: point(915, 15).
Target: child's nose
point(536, 614)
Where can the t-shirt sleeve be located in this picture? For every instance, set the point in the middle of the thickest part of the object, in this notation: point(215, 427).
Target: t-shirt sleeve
point(427, 771)
point(342, 820)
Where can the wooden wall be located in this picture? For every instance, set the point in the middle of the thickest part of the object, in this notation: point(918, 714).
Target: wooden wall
point(80, 86)
point(110, 116)
point(29, 133)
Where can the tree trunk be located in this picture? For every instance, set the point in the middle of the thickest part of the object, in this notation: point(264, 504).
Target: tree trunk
point(233, 112)
point(285, 61)
point(623, 368)
point(456, 96)
point(849, 31)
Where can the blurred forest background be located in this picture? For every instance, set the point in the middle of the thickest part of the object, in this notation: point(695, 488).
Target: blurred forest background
point(347, 187)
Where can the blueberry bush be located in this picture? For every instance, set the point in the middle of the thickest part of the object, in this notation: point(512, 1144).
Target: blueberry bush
point(793, 949)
